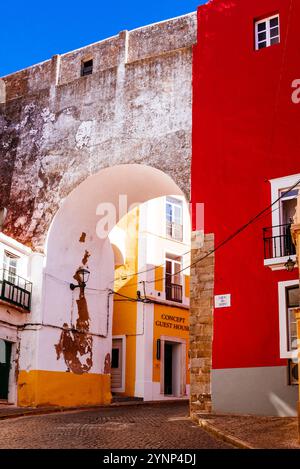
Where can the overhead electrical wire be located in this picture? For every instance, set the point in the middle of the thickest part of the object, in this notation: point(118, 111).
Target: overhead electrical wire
point(234, 234)
point(266, 211)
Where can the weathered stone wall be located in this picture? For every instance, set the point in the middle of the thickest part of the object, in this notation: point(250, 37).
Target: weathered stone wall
point(201, 325)
point(57, 128)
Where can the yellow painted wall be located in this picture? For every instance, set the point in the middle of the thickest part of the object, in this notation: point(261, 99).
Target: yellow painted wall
point(125, 312)
point(171, 328)
point(159, 275)
point(57, 388)
point(187, 285)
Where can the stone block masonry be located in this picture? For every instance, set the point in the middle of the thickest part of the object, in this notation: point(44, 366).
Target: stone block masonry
point(201, 325)
point(57, 128)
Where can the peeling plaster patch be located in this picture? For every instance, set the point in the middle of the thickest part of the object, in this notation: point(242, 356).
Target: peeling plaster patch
point(17, 361)
point(82, 237)
point(107, 366)
point(83, 134)
point(85, 257)
point(76, 346)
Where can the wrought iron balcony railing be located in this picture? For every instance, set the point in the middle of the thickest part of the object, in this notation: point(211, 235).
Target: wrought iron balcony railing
point(15, 289)
point(174, 292)
point(174, 231)
point(278, 242)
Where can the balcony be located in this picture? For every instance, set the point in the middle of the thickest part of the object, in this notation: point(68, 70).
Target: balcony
point(174, 292)
point(174, 231)
point(278, 246)
point(15, 289)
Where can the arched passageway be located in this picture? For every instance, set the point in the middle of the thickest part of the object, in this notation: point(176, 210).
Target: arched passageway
point(76, 325)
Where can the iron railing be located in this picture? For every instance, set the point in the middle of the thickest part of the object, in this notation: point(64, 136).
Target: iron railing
point(15, 289)
point(278, 242)
point(174, 231)
point(174, 292)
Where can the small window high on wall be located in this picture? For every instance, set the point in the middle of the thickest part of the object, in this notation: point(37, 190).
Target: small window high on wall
point(267, 32)
point(86, 67)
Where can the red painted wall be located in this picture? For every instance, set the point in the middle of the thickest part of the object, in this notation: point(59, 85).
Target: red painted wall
point(246, 131)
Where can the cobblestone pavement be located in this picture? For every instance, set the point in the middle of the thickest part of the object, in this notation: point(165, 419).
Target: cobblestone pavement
point(149, 427)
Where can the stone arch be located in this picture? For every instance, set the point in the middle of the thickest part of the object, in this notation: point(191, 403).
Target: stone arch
point(83, 346)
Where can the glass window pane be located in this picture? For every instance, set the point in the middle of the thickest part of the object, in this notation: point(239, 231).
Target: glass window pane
point(288, 210)
point(177, 276)
point(293, 343)
point(262, 36)
point(275, 41)
point(178, 214)
point(168, 267)
point(293, 297)
point(261, 26)
point(261, 45)
point(292, 329)
point(286, 193)
point(274, 32)
point(169, 212)
point(274, 22)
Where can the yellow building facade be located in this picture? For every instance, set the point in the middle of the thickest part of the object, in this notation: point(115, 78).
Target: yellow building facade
point(151, 301)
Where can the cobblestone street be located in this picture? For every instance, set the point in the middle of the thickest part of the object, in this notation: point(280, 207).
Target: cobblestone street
point(149, 427)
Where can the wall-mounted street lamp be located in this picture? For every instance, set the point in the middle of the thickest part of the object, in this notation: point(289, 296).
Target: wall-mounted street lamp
point(290, 264)
point(82, 277)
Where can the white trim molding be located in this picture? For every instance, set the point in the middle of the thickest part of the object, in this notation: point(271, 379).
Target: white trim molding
point(283, 330)
point(181, 391)
point(278, 263)
point(278, 185)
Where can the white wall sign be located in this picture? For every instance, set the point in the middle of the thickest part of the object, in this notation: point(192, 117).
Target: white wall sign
point(222, 301)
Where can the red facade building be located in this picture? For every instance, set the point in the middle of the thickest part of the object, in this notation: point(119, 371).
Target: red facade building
point(246, 154)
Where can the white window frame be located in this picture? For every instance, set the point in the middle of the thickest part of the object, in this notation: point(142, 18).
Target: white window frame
point(268, 30)
point(277, 186)
point(175, 203)
point(12, 271)
point(283, 329)
point(174, 261)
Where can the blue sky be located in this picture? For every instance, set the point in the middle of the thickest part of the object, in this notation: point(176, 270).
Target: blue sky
point(32, 31)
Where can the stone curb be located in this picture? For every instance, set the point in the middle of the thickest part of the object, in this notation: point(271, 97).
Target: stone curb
point(224, 436)
point(57, 410)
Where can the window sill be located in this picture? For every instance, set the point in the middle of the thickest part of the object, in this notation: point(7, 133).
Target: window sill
point(289, 355)
point(163, 301)
point(278, 262)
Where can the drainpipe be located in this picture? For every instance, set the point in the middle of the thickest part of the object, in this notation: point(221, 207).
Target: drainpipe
point(296, 237)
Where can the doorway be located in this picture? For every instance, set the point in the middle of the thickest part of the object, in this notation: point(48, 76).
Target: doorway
point(173, 370)
point(117, 384)
point(5, 356)
point(168, 368)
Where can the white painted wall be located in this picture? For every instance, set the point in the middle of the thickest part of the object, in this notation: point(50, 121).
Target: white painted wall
point(118, 188)
point(152, 248)
point(11, 318)
point(154, 243)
